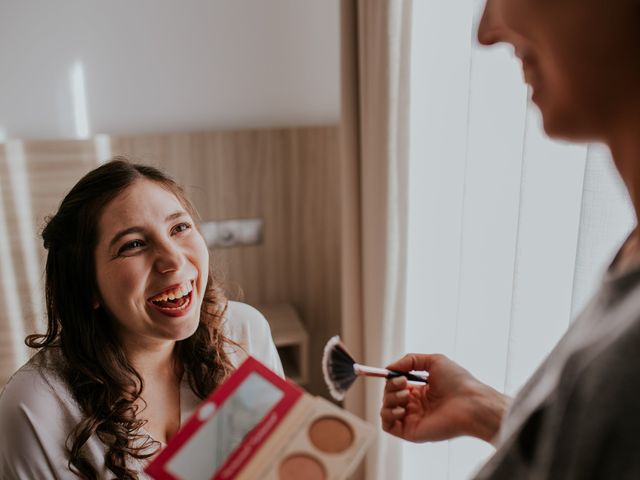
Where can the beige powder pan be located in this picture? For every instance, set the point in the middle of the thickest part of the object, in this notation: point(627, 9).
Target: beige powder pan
point(299, 466)
point(331, 434)
point(328, 444)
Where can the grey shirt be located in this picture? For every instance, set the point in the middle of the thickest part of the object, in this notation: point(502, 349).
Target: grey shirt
point(578, 417)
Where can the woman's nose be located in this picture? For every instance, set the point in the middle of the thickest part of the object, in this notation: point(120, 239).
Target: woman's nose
point(491, 29)
point(169, 257)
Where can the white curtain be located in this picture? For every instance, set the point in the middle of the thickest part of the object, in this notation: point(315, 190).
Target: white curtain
point(508, 231)
point(19, 265)
point(375, 75)
point(34, 176)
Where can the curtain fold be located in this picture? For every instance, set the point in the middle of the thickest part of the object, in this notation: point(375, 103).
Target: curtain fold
point(375, 148)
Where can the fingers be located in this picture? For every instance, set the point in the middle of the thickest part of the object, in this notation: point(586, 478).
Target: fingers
point(391, 418)
point(414, 361)
point(395, 385)
point(394, 402)
point(395, 393)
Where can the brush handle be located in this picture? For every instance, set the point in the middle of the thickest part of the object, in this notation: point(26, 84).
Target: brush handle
point(368, 371)
point(409, 376)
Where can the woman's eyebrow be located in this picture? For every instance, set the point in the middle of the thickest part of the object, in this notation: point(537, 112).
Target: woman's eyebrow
point(124, 232)
point(127, 231)
point(175, 215)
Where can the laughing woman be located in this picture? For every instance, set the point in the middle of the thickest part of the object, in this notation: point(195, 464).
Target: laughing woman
point(138, 332)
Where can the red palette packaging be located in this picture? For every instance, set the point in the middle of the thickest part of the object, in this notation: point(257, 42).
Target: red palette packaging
point(257, 425)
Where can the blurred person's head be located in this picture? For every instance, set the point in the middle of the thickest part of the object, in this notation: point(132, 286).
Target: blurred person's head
point(580, 57)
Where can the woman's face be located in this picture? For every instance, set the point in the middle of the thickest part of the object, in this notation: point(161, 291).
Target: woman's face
point(578, 56)
point(151, 265)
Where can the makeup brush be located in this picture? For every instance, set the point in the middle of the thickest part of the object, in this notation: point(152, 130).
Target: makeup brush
point(341, 370)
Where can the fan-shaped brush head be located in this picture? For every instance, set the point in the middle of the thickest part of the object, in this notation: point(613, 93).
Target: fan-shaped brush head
point(337, 367)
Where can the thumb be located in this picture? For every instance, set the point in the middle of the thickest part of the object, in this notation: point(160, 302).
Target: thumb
point(414, 361)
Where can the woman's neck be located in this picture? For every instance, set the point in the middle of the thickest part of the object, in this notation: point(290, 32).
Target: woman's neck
point(625, 151)
point(152, 360)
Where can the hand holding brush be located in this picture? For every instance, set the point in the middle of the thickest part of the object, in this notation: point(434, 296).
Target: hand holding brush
point(452, 405)
point(341, 370)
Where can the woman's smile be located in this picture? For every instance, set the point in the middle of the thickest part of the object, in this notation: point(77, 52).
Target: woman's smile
point(174, 301)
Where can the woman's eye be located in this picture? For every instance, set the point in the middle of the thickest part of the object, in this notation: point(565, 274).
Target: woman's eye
point(181, 227)
point(132, 245)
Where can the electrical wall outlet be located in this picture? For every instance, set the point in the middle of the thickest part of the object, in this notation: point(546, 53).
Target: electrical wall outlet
point(232, 233)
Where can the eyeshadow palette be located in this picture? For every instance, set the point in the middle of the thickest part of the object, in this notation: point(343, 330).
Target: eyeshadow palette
point(257, 425)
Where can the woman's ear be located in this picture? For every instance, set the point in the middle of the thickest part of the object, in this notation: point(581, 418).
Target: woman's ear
point(95, 303)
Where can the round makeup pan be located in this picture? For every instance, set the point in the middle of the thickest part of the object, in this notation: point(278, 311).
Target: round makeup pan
point(300, 465)
point(331, 434)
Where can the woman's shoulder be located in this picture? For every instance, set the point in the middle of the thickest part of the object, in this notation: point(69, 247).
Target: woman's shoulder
point(249, 330)
point(39, 372)
point(37, 408)
point(37, 386)
point(243, 322)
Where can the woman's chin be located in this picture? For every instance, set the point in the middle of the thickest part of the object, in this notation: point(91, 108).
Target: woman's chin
point(187, 329)
point(554, 123)
point(566, 129)
point(561, 121)
point(177, 329)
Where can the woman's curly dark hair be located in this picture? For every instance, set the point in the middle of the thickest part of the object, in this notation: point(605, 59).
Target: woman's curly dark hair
point(103, 382)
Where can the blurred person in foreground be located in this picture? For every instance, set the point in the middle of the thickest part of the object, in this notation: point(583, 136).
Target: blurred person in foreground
point(139, 332)
point(578, 416)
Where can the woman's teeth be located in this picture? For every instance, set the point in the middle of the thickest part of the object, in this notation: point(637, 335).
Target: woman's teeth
point(175, 305)
point(174, 294)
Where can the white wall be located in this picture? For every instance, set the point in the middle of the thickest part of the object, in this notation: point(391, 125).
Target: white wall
point(165, 65)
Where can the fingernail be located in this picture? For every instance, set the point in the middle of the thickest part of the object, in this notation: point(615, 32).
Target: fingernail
point(402, 394)
point(398, 411)
point(397, 381)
